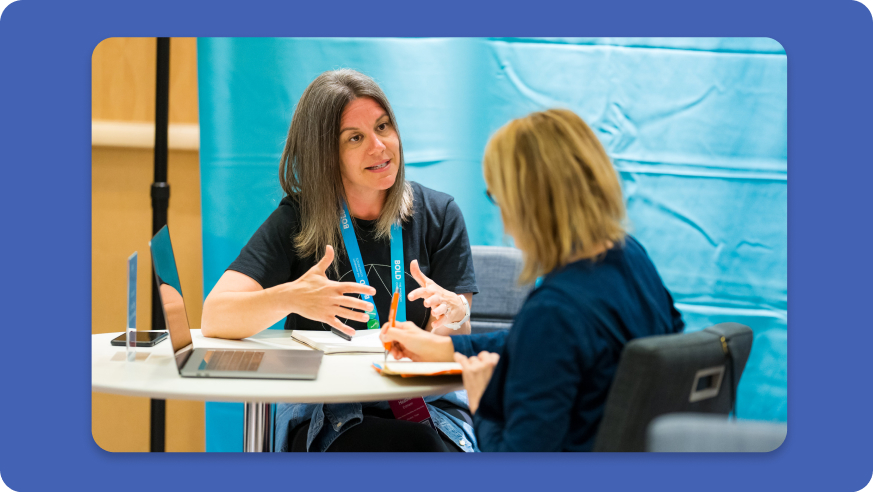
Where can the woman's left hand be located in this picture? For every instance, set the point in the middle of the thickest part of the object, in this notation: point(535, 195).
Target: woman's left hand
point(445, 306)
point(477, 373)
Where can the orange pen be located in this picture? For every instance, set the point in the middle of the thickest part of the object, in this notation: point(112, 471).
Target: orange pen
point(392, 318)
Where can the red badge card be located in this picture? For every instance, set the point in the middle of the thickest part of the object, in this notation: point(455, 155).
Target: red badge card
point(413, 410)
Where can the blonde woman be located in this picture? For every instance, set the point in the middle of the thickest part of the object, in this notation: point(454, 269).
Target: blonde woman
point(542, 385)
point(348, 224)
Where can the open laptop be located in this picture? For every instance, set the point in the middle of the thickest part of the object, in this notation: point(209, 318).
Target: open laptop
point(218, 363)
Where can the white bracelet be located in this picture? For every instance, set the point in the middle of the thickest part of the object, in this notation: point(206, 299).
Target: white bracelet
point(455, 326)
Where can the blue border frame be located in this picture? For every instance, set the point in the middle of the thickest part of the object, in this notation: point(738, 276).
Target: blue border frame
point(45, 49)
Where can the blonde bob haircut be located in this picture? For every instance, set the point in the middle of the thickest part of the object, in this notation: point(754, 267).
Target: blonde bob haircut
point(558, 193)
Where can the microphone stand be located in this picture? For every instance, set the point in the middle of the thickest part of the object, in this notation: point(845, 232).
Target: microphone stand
point(160, 202)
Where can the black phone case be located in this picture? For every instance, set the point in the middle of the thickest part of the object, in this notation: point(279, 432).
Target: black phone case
point(120, 343)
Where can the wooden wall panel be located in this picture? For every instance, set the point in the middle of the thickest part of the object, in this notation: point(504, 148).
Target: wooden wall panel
point(183, 80)
point(123, 80)
point(123, 90)
point(121, 223)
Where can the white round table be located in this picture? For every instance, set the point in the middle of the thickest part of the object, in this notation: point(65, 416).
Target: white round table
point(341, 379)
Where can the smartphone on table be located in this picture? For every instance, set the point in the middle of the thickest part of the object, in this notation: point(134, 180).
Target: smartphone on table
point(143, 338)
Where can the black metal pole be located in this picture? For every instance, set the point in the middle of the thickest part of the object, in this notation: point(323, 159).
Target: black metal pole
point(160, 202)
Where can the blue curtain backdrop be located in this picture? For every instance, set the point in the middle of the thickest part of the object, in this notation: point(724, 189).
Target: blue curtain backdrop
point(695, 126)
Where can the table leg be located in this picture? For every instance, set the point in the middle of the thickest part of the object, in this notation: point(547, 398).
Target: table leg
point(256, 427)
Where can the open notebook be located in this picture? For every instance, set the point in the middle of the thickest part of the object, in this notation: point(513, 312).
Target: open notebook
point(364, 342)
point(409, 369)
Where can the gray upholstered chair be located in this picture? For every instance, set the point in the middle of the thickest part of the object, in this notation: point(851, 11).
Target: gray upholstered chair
point(500, 297)
point(694, 432)
point(687, 372)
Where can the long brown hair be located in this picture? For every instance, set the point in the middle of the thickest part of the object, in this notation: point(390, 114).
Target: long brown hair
point(557, 190)
point(310, 169)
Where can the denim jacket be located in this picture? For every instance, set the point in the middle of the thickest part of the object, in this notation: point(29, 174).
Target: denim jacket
point(329, 420)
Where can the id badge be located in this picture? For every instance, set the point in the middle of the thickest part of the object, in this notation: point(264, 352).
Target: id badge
point(413, 410)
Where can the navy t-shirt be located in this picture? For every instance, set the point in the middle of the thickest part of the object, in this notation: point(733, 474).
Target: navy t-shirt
point(435, 236)
point(558, 360)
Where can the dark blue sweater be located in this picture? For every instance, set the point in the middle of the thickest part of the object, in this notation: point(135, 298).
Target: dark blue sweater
point(559, 359)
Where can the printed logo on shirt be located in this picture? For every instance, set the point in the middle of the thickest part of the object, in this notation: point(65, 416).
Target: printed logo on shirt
point(381, 277)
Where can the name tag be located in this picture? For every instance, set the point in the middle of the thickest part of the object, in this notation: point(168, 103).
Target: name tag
point(413, 410)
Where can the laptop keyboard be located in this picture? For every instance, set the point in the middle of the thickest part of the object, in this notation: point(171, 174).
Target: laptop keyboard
point(233, 360)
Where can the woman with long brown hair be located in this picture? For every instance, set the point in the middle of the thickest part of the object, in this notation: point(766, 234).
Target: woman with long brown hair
point(542, 385)
point(349, 223)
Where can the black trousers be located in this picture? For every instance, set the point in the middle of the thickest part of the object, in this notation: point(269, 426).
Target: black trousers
point(381, 432)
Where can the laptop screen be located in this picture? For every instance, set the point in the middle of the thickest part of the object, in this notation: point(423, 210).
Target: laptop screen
point(170, 292)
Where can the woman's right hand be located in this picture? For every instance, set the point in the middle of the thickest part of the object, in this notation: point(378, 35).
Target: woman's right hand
point(408, 340)
point(316, 297)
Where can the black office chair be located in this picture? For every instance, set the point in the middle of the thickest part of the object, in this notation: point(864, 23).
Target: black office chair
point(687, 372)
point(500, 297)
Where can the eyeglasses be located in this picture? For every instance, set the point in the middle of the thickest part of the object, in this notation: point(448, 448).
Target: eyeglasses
point(490, 198)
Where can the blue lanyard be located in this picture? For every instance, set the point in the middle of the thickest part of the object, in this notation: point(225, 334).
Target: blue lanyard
point(354, 251)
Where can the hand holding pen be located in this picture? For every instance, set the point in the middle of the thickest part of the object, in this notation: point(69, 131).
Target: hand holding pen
point(392, 318)
point(406, 339)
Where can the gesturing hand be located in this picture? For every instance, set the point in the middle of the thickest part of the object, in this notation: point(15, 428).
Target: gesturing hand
point(446, 307)
point(320, 299)
point(477, 373)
